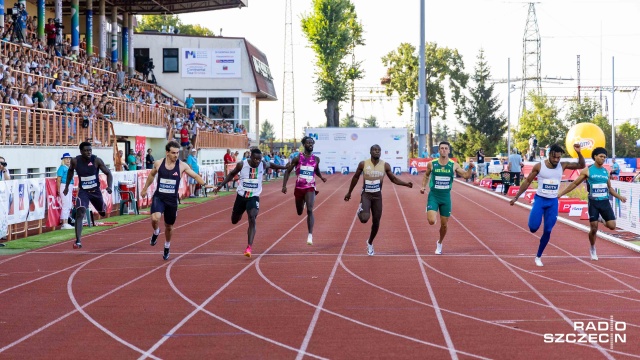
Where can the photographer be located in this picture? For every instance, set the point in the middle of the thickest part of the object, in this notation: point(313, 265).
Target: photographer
point(50, 29)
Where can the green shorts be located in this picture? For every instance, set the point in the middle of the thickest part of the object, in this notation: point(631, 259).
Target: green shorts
point(440, 202)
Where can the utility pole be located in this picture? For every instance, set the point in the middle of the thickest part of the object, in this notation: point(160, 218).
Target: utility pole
point(422, 113)
point(288, 94)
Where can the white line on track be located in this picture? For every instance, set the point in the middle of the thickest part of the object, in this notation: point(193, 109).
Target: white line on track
point(432, 295)
point(200, 307)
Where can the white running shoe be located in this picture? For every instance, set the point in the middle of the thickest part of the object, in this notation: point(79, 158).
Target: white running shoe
point(67, 227)
point(310, 239)
point(438, 248)
point(370, 251)
point(538, 261)
point(594, 256)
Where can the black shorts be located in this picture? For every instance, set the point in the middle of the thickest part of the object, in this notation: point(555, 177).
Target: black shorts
point(166, 207)
point(51, 42)
point(94, 198)
point(243, 204)
point(601, 208)
point(371, 202)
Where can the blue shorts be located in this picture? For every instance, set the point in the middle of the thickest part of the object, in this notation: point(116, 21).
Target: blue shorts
point(166, 207)
point(94, 198)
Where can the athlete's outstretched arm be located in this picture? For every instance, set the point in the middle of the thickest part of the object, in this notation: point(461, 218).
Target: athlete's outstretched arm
point(229, 176)
point(526, 182)
point(107, 172)
point(184, 167)
point(317, 170)
point(393, 178)
point(294, 162)
point(425, 179)
point(465, 174)
point(584, 174)
point(354, 180)
point(576, 166)
point(152, 175)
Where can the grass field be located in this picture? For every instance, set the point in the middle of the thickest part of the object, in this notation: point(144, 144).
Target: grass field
point(56, 236)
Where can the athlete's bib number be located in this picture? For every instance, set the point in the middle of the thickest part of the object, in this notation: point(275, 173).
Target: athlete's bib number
point(167, 186)
point(306, 172)
point(550, 187)
point(599, 190)
point(88, 182)
point(442, 183)
point(371, 185)
point(250, 184)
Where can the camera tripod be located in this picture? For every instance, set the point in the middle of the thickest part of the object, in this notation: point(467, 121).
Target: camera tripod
point(16, 32)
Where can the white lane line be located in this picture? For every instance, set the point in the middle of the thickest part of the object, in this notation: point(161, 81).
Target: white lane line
point(432, 295)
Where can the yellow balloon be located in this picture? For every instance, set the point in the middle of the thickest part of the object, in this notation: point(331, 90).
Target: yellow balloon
point(588, 135)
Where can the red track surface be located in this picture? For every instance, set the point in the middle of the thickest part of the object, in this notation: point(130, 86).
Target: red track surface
point(483, 298)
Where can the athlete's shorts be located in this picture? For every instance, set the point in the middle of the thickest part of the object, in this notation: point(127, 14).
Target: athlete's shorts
point(440, 202)
point(371, 201)
point(94, 198)
point(168, 208)
point(600, 208)
point(243, 204)
point(300, 193)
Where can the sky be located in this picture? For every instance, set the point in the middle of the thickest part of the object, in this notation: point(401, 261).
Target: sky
point(597, 30)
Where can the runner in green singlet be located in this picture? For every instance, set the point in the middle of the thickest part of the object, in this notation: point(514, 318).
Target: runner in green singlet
point(439, 199)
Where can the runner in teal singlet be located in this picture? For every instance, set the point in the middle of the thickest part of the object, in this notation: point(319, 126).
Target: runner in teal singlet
point(439, 199)
point(599, 188)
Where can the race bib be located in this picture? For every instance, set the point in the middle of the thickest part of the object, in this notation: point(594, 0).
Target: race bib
point(599, 190)
point(306, 172)
point(550, 186)
point(371, 185)
point(167, 186)
point(442, 182)
point(88, 182)
point(250, 184)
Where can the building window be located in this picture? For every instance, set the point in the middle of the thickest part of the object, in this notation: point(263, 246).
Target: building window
point(170, 60)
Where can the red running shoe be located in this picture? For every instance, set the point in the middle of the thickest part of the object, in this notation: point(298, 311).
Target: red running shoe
point(247, 251)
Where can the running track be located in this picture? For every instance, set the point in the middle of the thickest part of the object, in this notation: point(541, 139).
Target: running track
point(483, 298)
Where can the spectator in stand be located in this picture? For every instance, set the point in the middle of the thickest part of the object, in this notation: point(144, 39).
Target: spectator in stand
point(184, 136)
point(473, 171)
point(139, 160)
point(119, 161)
point(4, 172)
point(66, 200)
point(120, 75)
point(131, 161)
point(515, 167)
point(50, 29)
point(149, 159)
point(615, 169)
point(38, 97)
point(52, 101)
point(481, 167)
point(27, 98)
point(188, 102)
point(192, 161)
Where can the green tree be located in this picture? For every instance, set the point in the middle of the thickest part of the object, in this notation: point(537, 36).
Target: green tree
point(267, 133)
point(333, 30)
point(371, 122)
point(442, 64)
point(348, 121)
point(155, 22)
point(541, 120)
point(467, 143)
point(480, 109)
point(441, 132)
point(626, 136)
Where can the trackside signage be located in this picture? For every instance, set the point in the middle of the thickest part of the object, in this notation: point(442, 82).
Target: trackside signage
point(592, 332)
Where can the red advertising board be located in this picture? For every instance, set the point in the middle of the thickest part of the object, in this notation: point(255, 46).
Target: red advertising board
point(421, 163)
point(54, 206)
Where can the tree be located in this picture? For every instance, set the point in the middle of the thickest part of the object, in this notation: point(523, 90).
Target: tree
point(626, 136)
point(441, 64)
point(333, 30)
point(480, 109)
point(371, 122)
point(467, 143)
point(441, 132)
point(542, 120)
point(267, 133)
point(348, 121)
point(155, 22)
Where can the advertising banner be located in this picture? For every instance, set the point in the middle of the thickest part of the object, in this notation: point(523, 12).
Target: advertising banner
point(627, 214)
point(54, 204)
point(24, 199)
point(211, 63)
point(346, 147)
point(141, 142)
point(4, 208)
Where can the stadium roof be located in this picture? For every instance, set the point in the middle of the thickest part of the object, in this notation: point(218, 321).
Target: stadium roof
point(151, 7)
